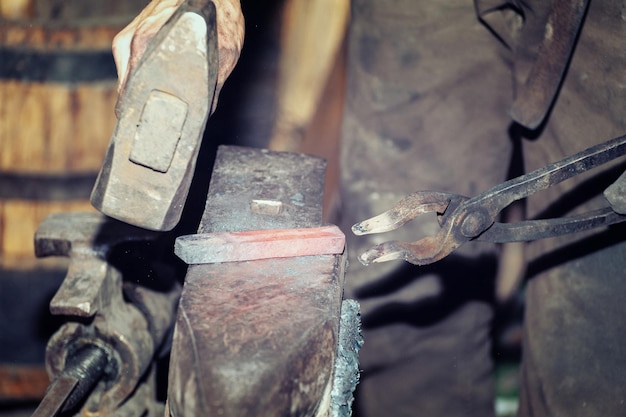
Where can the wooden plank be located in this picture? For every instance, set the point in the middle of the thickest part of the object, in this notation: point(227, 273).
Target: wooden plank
point(22, 382)
point(55, 127)
point(20, 219)
point(311, 84)
point(311, 38)
point(16, 9)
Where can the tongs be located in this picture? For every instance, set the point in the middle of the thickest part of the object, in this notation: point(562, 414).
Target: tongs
point(464, 219)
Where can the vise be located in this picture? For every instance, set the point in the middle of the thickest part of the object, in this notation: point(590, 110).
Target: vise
point(119, 305)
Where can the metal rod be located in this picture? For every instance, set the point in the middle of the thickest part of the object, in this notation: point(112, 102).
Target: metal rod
point(83, 371)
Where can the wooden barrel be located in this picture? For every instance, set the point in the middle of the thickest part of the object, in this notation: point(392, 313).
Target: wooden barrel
point(57, 95)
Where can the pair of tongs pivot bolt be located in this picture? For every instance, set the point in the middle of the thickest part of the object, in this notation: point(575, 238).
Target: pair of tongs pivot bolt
point(464, 219)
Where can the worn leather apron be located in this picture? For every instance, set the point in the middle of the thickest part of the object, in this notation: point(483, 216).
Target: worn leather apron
point(430, 89)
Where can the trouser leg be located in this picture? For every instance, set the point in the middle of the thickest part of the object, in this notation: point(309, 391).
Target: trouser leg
point(426, 109)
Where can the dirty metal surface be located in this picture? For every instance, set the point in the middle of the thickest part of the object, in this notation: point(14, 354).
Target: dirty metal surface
point(148, 167)
point(259, 244)
point(258, 337)
point(536, 95)
point(120, 324)
point(83, 371)
point(249, 185)
point(86, 238)
point(616, 194)
point(56, 396)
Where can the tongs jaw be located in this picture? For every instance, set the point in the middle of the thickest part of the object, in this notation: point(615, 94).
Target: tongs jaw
point(463, 219)
point(421, 252)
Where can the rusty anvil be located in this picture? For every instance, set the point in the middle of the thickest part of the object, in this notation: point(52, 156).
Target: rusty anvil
point(258, 332)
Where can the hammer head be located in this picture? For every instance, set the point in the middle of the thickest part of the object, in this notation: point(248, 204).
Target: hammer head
point(151, 158)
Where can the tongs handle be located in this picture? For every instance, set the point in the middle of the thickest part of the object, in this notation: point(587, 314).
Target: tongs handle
point(502, 195)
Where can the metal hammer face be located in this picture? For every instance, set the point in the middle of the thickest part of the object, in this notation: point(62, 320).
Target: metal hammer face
point(150, 161)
